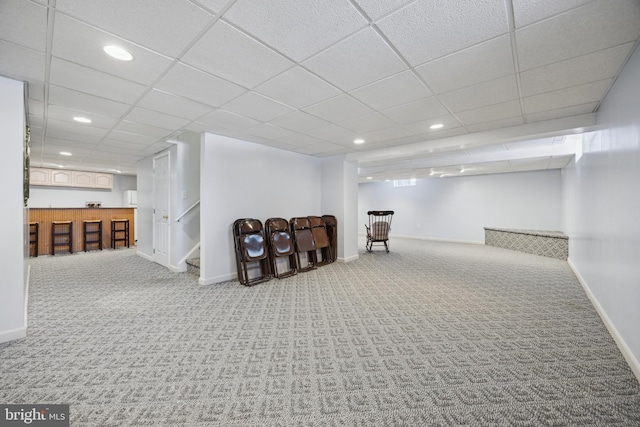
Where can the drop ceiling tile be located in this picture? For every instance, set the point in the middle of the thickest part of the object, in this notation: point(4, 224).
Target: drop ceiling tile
point(491, 113)
point(590, 28)
point(54, 125)
point(228, 120)
point(82, 44)
point(228, 53)
point(356, 61)
point(422, 127)
point(376, 9)
point(574, 110)
point(66, 114)
point(214, 6)
point(577, 95)
point(527, 12)
point(269, 131)
point(298, 88)
point(146, 22)
point(340, 108)
point(24, 23)
point(71, 134)
point(386, 134)
point(492, 92)
point(297, 29)
point(392, 91)
point(368, 123)
point(84, 102)
point(299, 121)
point(443, 133)
point(300, 140)
point(83, 79)
point(426, 30)
point(167, 103)
point(575, 71)
point(154, 118)
point(131, 137)
point(317, 149)
point(191, 83)
point(257, 107)
point(476, 64)
point(131, 146)
point(332, 132)
point(496, 124)
point(35, 108)
point(21, 63)
point(142, 129)
point(423, 109)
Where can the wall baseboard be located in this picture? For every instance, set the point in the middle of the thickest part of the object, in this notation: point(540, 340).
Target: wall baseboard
point(145, 256)
point(13, 334)
point(436, 239)
point(633, 363)
point(218, 279)
point(348, 259)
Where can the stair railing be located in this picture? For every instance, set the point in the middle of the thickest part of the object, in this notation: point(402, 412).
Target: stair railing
point(189, 209)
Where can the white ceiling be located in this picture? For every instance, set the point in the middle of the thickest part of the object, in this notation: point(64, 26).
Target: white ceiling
point(507, 78)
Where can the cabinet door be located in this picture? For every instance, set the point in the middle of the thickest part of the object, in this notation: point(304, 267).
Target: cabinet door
point(61, 178)
point(39, 176)
point(83, 179)
point(103, 180)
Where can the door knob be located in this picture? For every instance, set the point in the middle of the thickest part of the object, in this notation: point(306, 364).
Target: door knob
point(165, 216)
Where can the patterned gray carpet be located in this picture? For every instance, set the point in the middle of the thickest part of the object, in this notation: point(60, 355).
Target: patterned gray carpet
point(429, 334)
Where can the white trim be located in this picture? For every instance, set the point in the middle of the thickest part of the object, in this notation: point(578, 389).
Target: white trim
point(349, 259)
point(188, 255)
point(177, 269)
point(13, 334)
point(218, 279)
point(26, 297)
point(145, 256)
point(622, 345)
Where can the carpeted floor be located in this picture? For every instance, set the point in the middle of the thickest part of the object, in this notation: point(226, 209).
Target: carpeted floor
point(430, 334)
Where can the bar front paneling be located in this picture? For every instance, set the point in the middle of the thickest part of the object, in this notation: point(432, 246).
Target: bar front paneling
point(44, 216)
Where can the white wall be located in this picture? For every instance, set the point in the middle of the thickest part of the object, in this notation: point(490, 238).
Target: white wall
point(602, 211)
point(13, 218)
point(339, 198)
point(144, 225)
point(240, 179)
point(458, 208)
point(66, 197)
point(185, 191)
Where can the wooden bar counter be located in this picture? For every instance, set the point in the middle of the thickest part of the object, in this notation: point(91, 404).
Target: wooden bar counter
point(44, 216)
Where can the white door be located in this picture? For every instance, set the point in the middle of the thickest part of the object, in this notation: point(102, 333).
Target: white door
point(161, 209)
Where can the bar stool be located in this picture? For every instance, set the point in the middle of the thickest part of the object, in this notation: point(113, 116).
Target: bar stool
point(61, 235)
point(119, 232)
point(33, 238)
point(92, 233)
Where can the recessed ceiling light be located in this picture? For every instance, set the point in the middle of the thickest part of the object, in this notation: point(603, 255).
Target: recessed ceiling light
point(436, 126)
point(358, 141)
point(118, 53)
point(369, 177)
point(82, 119)
point(65, 153)
point(114, 170)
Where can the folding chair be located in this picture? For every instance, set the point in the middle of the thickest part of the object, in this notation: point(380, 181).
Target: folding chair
point(378, 229)
point(281, 246)
point(251, 248)
point(321, 239)
point(331, 223)
point(304, 243)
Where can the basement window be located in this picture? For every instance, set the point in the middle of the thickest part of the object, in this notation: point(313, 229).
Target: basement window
point(404, 182)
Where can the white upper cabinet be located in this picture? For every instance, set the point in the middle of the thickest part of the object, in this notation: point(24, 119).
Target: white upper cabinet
point(67, 178)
